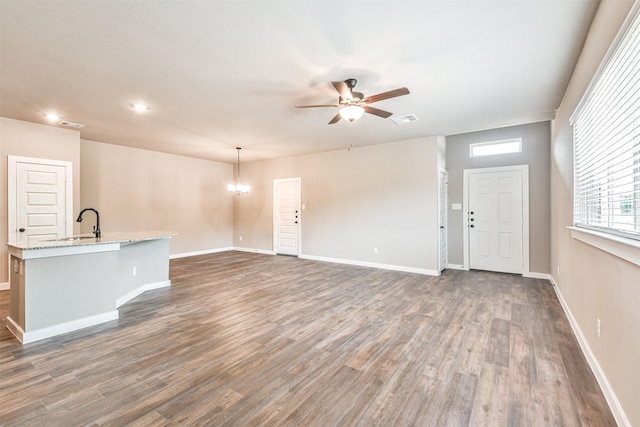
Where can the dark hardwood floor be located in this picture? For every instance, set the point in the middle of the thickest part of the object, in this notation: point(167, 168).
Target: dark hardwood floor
point(244, 339)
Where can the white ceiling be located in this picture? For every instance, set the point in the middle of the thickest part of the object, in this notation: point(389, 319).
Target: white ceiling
point(221, 74)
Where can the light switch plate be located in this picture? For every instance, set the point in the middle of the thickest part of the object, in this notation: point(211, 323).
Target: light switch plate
point(456, 206)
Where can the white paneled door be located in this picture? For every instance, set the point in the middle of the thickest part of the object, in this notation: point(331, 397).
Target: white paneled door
point(495, 221)
point(40, 199)
point(287, 216)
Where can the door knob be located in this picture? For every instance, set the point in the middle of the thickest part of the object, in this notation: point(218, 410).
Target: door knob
point(21, 230)
point(471, 226)
point(442, 226)
point(470, 219)
point(295, 222)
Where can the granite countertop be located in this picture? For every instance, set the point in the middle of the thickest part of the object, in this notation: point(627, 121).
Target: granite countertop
point(89, 239)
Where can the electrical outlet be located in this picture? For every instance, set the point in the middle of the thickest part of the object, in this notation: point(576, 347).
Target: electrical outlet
point(599, 327)
point(241, 238)
point(135, 271)
point(375, 250)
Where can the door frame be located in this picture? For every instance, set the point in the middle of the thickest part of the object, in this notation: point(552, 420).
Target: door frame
point(275, 214)
point(12, 162)
point(442, 171)
point(524, 170)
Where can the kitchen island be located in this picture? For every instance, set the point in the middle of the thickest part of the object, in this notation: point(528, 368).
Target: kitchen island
point(61, 285)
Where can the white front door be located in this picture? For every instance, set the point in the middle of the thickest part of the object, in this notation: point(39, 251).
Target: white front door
point(442, 208)
point(40, 199)
point(495, 221)
point(287, 217)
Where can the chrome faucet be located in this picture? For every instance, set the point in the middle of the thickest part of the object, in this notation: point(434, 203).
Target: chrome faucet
point(96, 228)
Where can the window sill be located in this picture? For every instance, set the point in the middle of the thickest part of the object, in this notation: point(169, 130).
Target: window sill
point(627, 249)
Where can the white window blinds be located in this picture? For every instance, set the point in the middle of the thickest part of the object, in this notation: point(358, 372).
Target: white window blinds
point(606, 137)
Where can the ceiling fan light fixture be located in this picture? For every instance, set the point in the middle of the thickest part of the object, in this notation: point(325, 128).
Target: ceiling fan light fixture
point(351, 112)
point(354, 104)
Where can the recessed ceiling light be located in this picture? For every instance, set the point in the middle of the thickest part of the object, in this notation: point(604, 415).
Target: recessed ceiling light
point(140, 107)
point(52, 117)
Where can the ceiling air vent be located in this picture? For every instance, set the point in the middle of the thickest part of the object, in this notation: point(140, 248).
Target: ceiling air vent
point(70, 124)
point(408, 118)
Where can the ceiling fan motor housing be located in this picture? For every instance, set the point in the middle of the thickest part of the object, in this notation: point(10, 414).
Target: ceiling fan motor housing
point(355, 96)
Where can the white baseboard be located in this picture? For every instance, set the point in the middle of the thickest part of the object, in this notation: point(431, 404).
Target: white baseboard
point(607, 390)
point(202, 252)
point(531, 274)
point(149, 286)
point(62, 328)
point(372, 264)
point(316, 258)
point(256, 251)
point(217, 250)
point(4, 286)
point(534, 275)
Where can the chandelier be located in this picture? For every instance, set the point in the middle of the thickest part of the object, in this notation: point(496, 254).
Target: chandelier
point(238, 188)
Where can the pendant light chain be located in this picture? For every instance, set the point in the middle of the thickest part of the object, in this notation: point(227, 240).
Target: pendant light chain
point(238, 148)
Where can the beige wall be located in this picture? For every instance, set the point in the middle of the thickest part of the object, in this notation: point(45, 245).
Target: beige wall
point(18, 138)
point(535, 153)
point(138, 190)
point(382, 196)
point(593, 283)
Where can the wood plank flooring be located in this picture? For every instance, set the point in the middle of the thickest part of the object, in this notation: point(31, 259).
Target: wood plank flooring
point(244, 339)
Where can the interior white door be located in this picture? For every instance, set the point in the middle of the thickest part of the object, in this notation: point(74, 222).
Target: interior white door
point(442, 207)
point(495, 221)
point(287, 218)
point(40, 199)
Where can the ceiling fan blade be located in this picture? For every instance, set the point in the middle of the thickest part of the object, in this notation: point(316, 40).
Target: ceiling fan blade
point(319, 105)
point(343, 89)
point(376, 112)
point(335, 119)
point(386, 95)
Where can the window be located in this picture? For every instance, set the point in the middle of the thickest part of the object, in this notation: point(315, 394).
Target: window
point(504, 146)
point(606, 137)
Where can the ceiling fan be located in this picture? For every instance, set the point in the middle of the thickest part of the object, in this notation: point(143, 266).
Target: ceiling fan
point(354, 104)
